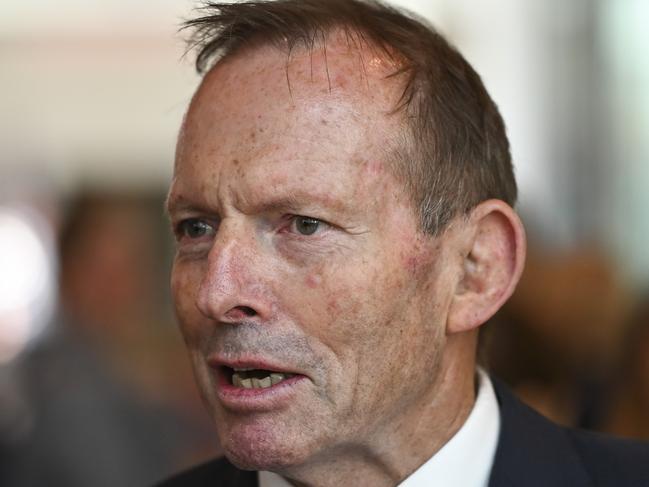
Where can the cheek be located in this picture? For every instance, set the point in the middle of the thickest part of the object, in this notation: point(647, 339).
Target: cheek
point(318, 301)
point(329, 295)
point(338, 304)
point(184, 288)
point(313, 280)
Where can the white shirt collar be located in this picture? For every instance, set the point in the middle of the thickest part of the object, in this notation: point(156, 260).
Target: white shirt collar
point(465, 460)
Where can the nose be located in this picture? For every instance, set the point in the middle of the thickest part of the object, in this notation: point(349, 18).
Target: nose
point(232, 288)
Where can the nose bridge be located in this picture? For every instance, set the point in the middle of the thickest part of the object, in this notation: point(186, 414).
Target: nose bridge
point(228, 282)
point(223, 273)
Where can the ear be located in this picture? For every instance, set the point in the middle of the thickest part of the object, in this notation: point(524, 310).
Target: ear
point(492, 263)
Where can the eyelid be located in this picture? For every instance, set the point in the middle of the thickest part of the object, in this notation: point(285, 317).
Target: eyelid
point(180, 230)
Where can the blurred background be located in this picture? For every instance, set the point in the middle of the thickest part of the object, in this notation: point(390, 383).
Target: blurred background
point(95, 387)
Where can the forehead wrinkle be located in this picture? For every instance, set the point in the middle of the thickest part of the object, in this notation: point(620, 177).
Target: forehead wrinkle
point(191, 191)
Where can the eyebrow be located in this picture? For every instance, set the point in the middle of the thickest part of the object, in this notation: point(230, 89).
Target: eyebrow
point(177, 202)
point(295, 201)
point(170, 204)
point(289, 202)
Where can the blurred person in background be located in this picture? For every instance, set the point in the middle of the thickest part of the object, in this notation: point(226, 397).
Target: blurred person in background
point(105, 393)
point(557, 340)
point(626, 411)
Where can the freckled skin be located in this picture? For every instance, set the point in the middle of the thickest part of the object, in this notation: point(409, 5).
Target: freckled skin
point(359, 307)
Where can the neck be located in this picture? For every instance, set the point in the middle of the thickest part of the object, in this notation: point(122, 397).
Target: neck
point(415, 436)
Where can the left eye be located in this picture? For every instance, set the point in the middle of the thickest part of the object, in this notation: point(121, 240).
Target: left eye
point(194, 228)
point(305, 225)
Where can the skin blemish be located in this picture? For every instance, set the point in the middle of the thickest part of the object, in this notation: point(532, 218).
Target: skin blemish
point(341, 81)
point(313, 280)
point(374, 167)
point(278, 181)
point(412, 264)
point(375, 62)
point(417, 259)
point(332, 307)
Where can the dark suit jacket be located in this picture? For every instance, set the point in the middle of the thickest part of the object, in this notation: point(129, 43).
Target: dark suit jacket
point(532, 452)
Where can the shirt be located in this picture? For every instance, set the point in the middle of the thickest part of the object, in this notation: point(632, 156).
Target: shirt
point(464, 461)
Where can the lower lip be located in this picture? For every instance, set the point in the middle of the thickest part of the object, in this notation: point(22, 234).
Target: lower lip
point(262, 399)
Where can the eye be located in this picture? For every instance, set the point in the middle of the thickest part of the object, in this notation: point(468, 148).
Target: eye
point(193, 228)
point(305, 225)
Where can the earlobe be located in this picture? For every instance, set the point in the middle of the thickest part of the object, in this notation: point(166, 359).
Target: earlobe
point(492, 265)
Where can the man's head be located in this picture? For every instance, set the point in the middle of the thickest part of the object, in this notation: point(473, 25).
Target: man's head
point(323, 244)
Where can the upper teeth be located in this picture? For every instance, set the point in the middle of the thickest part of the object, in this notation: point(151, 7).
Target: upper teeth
point(240, 380)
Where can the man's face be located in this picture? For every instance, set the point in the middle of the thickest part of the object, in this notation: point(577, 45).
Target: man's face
point(300, 255)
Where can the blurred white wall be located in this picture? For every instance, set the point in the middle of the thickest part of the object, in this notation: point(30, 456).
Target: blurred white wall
point(92, 91)
point(625, 54)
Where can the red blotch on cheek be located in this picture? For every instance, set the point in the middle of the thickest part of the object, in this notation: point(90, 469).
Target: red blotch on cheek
point(332, 306)
point(412, 263)
point(416, 261)
point(313, 281)
point(374, 167)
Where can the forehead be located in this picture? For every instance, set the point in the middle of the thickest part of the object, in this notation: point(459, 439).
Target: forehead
point(335, 70)
point(259, 111)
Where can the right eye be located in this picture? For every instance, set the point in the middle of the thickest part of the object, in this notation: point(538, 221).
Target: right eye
point(193, 229)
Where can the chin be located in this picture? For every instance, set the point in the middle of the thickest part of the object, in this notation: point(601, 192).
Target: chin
point(256, 448)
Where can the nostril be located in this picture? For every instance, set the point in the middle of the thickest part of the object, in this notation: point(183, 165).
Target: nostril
point(239, 313)
point(248, 311)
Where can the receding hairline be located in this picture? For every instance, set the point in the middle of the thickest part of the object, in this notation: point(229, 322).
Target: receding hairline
point(383, 63)
point(216, 35)
point(339, 20)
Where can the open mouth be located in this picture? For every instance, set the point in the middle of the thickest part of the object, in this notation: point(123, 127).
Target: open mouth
point(255, 378)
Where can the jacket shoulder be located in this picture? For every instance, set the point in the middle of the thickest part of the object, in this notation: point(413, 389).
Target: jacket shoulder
point(216, 473)
point(612, 461)
point(534, 452)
